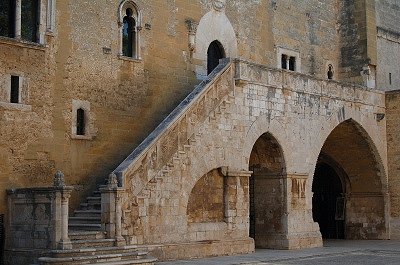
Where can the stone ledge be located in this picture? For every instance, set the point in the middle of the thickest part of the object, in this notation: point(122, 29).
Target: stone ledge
point(22, 43)
point(15, 106)
point(202, 249)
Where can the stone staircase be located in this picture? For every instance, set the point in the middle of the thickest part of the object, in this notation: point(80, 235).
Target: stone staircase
point(89, 242)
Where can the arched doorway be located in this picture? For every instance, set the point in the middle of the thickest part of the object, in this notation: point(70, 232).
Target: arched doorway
point(349, 192)
point(267, 192)
point(328, 201)
point(215, 52)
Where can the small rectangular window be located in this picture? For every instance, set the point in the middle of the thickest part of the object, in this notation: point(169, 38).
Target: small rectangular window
point(292, 63)
point(390, 78)
point(14, 92)
point(80, 122)
point(284, 61)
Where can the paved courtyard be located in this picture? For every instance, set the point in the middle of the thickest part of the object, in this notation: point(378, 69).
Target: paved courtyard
point(334, 252)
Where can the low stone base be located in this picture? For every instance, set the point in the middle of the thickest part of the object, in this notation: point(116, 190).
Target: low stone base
point(301, 241)
point(21, 256)
point(395, 229)
point(283, 242)
point(202, 249)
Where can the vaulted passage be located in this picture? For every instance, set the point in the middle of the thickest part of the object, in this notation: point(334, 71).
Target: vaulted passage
point(267, 199)
point(328, 198)
point(348, 195)
point(215, 52)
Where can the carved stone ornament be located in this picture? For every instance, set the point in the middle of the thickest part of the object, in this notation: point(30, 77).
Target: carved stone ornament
point(112, 181)
point(59, 181)
point(219, 5)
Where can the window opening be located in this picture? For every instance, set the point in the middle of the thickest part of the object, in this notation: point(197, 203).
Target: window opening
point(284, 61)
point(215, 52)
point(330, 72)
point(128, 34)
point(390, 78)
point(29, 19)
point(7, 18)
point(14, 92)
point(80, 122)
point(292, 63)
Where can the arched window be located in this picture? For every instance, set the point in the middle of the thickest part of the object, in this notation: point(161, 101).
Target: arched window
point(80, 121)
point(215, 52)
point(129, 22)
point(330, 72)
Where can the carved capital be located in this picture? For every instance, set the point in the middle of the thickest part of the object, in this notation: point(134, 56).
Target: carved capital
point(219, 5)
point(59, 180)
point(112, 182)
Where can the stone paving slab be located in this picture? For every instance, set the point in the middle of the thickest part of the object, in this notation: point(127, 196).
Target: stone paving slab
point(334, 252)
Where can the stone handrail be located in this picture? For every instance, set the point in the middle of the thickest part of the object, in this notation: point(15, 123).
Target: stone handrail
point(175, 131)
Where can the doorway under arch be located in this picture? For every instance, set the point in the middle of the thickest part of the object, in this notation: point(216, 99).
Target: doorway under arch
point(328, 201)
point(349, 192)
point(267, 192)
point(215, 52)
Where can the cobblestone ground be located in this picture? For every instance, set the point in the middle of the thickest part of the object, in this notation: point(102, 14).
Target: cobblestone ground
point(334, 252)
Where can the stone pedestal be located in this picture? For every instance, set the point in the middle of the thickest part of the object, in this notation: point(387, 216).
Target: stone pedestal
point(37, 221)
point(111, 210)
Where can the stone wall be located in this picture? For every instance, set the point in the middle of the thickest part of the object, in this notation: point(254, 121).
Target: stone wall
point(393, 137)
point(206, 201)
point(388, 22)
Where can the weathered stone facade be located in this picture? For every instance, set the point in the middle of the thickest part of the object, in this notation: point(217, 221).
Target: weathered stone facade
point(232, 167)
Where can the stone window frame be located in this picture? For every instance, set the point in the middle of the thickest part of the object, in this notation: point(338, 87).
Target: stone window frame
point(41, 29)
point(327, 65)
point(89, 131)
point(289, 53)
point(137, 16)
point(5, 92)
point(51, 16)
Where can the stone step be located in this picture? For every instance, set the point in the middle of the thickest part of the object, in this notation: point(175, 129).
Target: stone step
point(146, 261)
point(86, 235)
point(84, 227)
point(93, 243)
point(96, 193)
point(90, 206)
point(91, 212)
point(94, 199)
point(97, 251)
point(92, 259)
point(85, 220)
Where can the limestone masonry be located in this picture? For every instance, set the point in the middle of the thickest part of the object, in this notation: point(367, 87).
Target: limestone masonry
point(137, 131)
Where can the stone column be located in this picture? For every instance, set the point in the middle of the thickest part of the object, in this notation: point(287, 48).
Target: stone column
point(236, 199)
point(64, 193)
point(111, 209)
point(302, 231)
point(17, 19)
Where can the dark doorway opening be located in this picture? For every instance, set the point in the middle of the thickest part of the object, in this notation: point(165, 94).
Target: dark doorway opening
point(215, 52)
point(267, 192)
point(328, 202)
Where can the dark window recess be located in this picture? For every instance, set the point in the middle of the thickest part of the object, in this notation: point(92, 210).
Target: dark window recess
point(2, 239)
point(215, 52)
point(129, 34)
point(7, 18)
point(292, 63)
point(390, 78)
point(80, 122)
point(330, 72)
point(284, 61)
point(29, 20)
point(14, 93)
